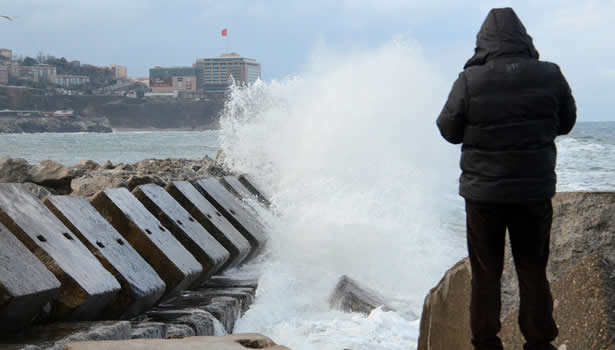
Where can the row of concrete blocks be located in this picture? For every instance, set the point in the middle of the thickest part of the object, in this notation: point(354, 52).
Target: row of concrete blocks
point(67, 259)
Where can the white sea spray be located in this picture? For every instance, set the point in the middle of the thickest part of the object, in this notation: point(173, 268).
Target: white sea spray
point(363, 185)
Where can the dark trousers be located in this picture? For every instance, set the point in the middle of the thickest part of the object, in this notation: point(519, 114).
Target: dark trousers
point(529, 227)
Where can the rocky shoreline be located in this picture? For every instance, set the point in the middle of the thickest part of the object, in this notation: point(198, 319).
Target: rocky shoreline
point(20, 125)
point(87, 177)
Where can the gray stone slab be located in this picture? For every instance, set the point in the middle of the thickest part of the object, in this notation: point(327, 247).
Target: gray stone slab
point(141, 285)
point(87, 287)
point(212, 220)
point(205, 248)
point(248, 182)
point(233, 211)
point(25, 283)
point(173, 263)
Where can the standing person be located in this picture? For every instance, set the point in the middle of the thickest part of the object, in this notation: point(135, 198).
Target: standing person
point(507, 107)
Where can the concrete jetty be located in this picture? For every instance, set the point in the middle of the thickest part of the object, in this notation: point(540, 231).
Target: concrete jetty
point(155, 256)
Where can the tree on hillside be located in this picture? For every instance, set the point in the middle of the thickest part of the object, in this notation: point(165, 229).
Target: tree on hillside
point(29, 61)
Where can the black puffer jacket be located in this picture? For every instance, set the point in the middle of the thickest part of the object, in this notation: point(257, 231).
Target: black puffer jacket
point(507, 107)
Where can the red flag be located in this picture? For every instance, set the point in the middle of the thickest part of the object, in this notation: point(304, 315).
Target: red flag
point(224, 32)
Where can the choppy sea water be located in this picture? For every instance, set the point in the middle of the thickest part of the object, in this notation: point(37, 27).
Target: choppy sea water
point(118, 147)
point(292, 299)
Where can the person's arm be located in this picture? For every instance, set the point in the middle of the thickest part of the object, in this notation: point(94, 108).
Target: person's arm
point(567, 109)
point(451, 121)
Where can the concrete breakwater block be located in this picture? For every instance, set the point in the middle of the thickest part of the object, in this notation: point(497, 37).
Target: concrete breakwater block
point(229, 342)
point(350, 296)
point(235, 186)
point(141, 286)
point(86, 286)
point(248, 182)
point(173, 263)
point(205, 248)
point(212, 220)
point(237, 215)
point(202, 322)
point(25, 283)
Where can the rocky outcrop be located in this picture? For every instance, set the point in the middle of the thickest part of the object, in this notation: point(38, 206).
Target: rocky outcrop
point(582, 253)
point(584, 308)
point(20, 125)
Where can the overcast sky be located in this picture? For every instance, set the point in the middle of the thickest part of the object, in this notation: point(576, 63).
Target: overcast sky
point(282, 34)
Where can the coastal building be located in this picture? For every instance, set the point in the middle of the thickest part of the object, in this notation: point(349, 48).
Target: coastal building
point(119, 72)
point(172, 79)
point(4, 75)
point(68, 81)
point(14, 68)
point(6, 53)
point(215, 74)
point(39, 73)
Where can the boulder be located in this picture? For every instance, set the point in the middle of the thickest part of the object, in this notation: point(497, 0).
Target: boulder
point(583, 226)
point(138, 180)
point(14, 170)
point(108, 165)
point(201, 322)
point(88, 186)
point(584, 308)
point(229, 342)
point(87, 165)
point(51, 174)
point(445, 321)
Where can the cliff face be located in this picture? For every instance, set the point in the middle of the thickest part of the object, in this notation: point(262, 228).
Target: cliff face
point(582, 282)
point(122, 112)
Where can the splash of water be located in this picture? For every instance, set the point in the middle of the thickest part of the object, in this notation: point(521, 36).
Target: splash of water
point(363, 186)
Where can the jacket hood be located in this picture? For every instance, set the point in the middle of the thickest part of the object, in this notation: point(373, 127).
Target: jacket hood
point(502, 34)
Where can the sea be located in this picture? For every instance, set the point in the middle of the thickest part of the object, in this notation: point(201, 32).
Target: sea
point(361, 181)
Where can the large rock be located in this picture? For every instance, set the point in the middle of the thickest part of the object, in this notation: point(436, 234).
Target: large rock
point(14, 170)
point(583, 226)
point(244, 221)
point(88, 186)
point(211, 254)
point(173, 263)
point(86, 286)
point(25, 283)
point(51, 174)
point(141, 286)
point(212, 220)
point(584, 308)
point(445, 322)
point(229, 342)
